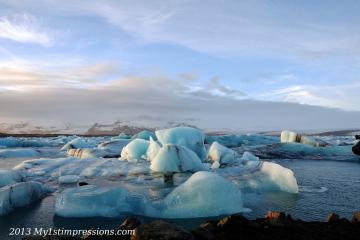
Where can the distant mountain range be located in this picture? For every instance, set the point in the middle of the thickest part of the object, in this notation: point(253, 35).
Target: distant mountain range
point(115, 128)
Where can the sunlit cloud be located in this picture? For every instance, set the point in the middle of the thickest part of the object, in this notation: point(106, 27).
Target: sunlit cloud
point(24, 28)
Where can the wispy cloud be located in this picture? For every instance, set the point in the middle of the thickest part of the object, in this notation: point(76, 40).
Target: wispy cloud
point(24, 28)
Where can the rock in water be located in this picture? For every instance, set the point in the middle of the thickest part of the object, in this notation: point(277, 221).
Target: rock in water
point(356, 149)
point(161, 230)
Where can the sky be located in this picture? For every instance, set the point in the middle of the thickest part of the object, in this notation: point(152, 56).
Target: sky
point(242, 65)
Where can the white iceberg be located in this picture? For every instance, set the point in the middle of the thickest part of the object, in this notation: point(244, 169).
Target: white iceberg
point(291, 137)
point(173, 158)
point(204, 194)
point(221, 154)
point(188, 137)
point(19, 195)
point(153, 149)
point(136, 149)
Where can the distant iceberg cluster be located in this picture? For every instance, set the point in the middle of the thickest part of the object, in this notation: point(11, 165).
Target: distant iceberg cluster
point(170, 173)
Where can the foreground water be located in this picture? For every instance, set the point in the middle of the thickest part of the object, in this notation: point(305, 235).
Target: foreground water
point(326, 185)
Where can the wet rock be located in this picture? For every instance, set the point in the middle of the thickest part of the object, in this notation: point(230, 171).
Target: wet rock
point(130, 223)
point(82, 183)
point(161, 230)
point(356, 217)
point(356, 149)
point(357, 137)
point(278, 218)
point(203, 234)
point(333, 217)
point(208, 226)
point(233, 223)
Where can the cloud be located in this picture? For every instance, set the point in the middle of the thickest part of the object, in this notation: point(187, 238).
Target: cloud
point(164, 99)
point(24, 28)
point(345, 96)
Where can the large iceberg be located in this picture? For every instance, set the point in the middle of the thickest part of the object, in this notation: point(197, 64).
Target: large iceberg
point(183, 136)
point(174, 158)
point(19, 195)
point(204, 194)
point(153, 149)
point(221, 154)
point(145, 134)
point(136, 149)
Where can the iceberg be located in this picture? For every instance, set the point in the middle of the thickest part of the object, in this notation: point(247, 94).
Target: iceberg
point(144, 135)
point(173, 158)
point(8, 177)
point(114, 147)
point(204, 194)
point(188, 137)
point(232, 140)
point(136, 149)
point(248, 156)
point(19, 195)
point(221, 154)
point(80, 142)
point(94, 201)
point(153, 149)
point(291, 137)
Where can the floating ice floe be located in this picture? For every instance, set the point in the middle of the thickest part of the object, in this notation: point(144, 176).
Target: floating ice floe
point(20, 194)
point(239, 140)
point(290, 137)
point(221, 154)
point(93, 201)
point(203, 194)
point(19, 153)
point(188, 137)
point(114, 147)
point(136, 149)
point(248, 156)
point(174, 158)
point(8, 177)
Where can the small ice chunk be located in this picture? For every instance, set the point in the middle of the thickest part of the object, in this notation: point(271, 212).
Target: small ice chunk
point(67, 179)
point(188, 137)
point(114, 147)
point(280, 176)
point(173, 158)
point(136, 149)
point(215, 165)
point(204, 194)
point(87, 153)
point(19, 195)
point(221, 154)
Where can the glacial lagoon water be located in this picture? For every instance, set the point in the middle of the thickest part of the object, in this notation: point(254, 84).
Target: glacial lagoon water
point(326, 183)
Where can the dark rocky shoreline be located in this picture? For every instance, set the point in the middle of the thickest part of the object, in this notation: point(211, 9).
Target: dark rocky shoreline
point(275, 225)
